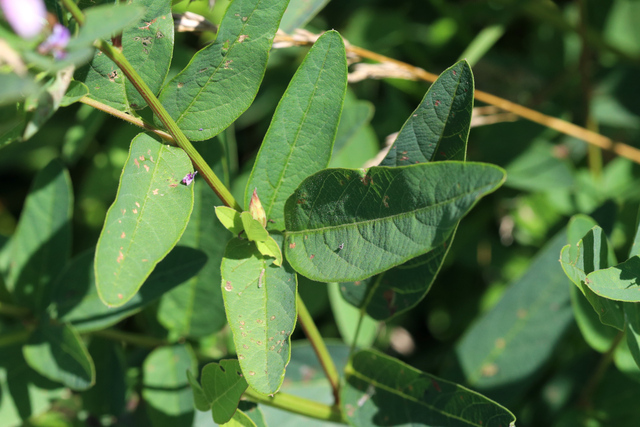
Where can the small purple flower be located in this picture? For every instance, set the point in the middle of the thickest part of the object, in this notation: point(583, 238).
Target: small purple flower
point(56, 42)
point(188, 179)
point(26, 17)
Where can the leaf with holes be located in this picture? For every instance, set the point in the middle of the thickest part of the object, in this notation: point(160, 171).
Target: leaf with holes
point(148, 45)
point(438, 129)
point(58, 353)
point(346, 225)
point(150, 213)
point(223, 385)
point(260, 301)
point(222, 79)
point(300, 138)
point(380, 389)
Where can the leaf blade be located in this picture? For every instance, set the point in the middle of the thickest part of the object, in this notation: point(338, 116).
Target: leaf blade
point(150, 197)
point(330, 238)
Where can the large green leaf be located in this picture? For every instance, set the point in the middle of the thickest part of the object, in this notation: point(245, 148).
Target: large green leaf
point(148, 46)
point(75, 299)
point(150, 213)
point(300, 139)
point(355, 141)
point(260, 301)
point(503, 351)
point(239, 419)
point(299, 12)
point(438, 129)
point(166, 389)
point(41, 245)
point(105, 20)
point(346, 225)
point(222, 79)
point(195, 308)
point(58, 353)
point(399, 289)
point(223, 386)
point(380, 390)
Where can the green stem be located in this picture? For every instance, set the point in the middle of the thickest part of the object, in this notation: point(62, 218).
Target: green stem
point(298, 405)
point(181, 140)
point(130, 338)
point(314, 337)
point(12, 338)
point(13, 311)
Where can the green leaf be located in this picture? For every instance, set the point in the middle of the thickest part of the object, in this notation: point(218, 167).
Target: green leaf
point(13, 119)
point(378, 387)
point(199, 399)
point(41, 245)
point(253, 411)
point(195, 308)
point(438, 129)
point(593, 314)
point(620, 282)
point(299, 12)
point(223, 386)
point(230, 219)
point(260, 301)
point(539, 169)
point(148, 45)
point(354, 143)
point(635, 248)
point(346, 225)
point(75, 92)
point(58, 353)
point(240, 419)
point(399, 289)
point(150, 213)
point(502, 353)
point(222, 79)
point(79, 137)
point(109, 395)
point(74, 297)
point(104, 21)
point(632, 316)
point(347, 318)
point(166, 389)
point(300, 138)
point(253, 229)
point(15, 88)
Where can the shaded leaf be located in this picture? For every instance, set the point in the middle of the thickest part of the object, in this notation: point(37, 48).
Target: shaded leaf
point(223, 386)
point(199, 399)
point(380, 390)
point(300, 138)
point(260, 302)
point(75, 92)
point(150, 213)
point(108, 395)
point(75, 298)
point(620, 282)
point(58, 353)
point(166, 387)
point(438, 129)
point(103, 21)
point(503, 351)
point(222, 79)
point(240, 419)
point(41, 245)
point(346, 225)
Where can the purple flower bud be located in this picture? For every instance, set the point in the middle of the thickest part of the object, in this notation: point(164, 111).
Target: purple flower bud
point(26, 17)
point(188, 179)
point(56, 42)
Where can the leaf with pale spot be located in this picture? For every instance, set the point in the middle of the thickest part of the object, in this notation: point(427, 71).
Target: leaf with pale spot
point(150, 213)
point(260, 301)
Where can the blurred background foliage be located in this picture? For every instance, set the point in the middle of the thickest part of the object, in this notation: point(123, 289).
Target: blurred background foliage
point(528, 51)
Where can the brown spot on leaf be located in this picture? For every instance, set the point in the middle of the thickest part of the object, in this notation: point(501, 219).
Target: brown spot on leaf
point(292, 245)
point(228, 286)
point(120, 257)
point(122, 236)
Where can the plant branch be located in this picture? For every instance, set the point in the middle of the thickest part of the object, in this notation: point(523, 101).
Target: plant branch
point(127, 118)
point(298, 405)
point(13, 310)
point(559, 125)
point(606, 359)
point(314, 337)
point(152, 101)
point(13, 338)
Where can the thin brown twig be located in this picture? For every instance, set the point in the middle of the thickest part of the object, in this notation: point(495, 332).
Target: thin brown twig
point(559, 125)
